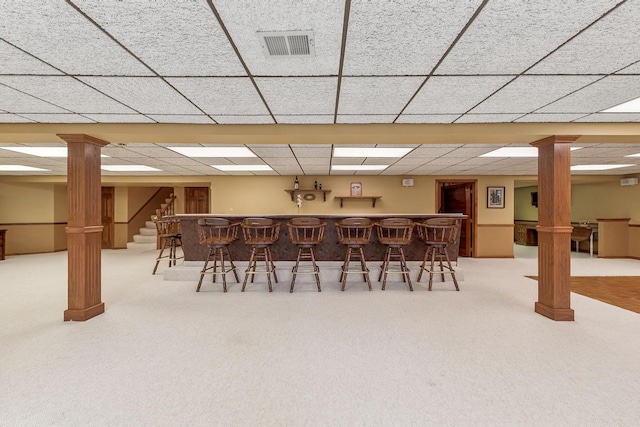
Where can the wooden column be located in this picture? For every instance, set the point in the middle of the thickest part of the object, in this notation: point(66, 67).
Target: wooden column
point(554, 227)
point(84, 227)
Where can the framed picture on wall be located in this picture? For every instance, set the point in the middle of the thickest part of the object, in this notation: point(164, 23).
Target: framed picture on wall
point(495, 197)
point(356, 189)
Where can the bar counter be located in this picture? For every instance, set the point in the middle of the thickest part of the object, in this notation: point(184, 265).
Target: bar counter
point(284, 250)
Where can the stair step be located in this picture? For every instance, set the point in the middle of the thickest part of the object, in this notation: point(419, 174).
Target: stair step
point(138, 238)
point(148, 231)
point(150, 224)
point(138, 246)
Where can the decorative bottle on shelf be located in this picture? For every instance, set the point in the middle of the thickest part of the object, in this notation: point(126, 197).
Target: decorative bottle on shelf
point(296, 184)
point(315, 184)
point(320, 187)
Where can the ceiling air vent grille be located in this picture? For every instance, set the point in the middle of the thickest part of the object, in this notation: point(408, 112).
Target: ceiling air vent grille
point(287, 44)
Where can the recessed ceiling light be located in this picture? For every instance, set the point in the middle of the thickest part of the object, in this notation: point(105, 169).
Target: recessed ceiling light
point(370, 152)
point(516, 152)
point(633, 155)
point(20, 168)
point(358, 167)
point(129, 168)
point(242, 168)
point(213, 151)
point(632, 106)
point(42, 151)
point(597, 167)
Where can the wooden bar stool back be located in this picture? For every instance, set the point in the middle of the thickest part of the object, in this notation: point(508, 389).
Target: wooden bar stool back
point(260, 234)
point(170, 239)
point(394, 233)
point(580, 234)
point(438, 234)
point(306, 233)
point(217, 234)
point(354, 233)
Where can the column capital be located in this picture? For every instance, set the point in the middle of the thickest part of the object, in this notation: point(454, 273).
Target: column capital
point(80, 137)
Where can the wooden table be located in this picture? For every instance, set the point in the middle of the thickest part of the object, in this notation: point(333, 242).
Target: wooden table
point(328, 250)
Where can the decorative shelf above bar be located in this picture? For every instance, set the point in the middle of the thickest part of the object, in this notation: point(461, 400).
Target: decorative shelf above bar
point(372, 198)
point(294, 192)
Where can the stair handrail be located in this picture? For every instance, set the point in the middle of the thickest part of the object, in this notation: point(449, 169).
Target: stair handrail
point(168, 209)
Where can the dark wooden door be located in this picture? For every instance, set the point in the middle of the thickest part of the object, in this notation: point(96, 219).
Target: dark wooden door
point(108, 221)
point(458, 198)
point(196, 200)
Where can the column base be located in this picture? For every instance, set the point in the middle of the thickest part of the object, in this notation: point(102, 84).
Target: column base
point(83, 314)
point(561, 314)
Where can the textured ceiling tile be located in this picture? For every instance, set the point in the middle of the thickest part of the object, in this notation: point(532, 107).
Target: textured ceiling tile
point(119, 118)
point(182, 118)
point(56, 33)
point(15, 61)
point(370, 118)
point(281, 151)
point(143, 94)
point(14, 101)
point(221, 96)
point(610, 117)
point(12, 118)
point(300, 119)
point(424, 118)
point(244, 18)
point(603, 94)
point(487, 118)
point(65, 92)
point(402, 37)
point(469, 151)
point(605, 47)
point(428, 151)
point(528, 93)
point(192, 42)
point(376, 95)
point(549, 118)
point(57, 118)
point(249, 120)
point(313, 151)
point(493, 44)
point(448, 95)
point(296, 95)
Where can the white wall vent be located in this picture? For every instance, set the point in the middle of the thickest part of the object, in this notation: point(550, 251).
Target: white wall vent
point(629, 181)
point(283, 44)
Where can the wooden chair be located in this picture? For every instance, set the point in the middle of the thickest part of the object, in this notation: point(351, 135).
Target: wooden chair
point(394, 233)
point(354, 233)
point(217, 234)
point(260, 234)
point(438, 234)
point(170, 237)
point(306, 233)
point(580, 234)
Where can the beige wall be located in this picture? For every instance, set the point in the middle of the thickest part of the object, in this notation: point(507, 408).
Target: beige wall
point(523, 209)
point(605, 200)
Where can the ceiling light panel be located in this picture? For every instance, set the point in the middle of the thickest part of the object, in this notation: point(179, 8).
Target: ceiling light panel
point(603, 48)
point(228, 96)
point(324, 18)
point(231, 151)
point(40, 151)
point(427, 118)
point(242, 168)
point(610, 117)
point(420, 37)
point(458, 94)
point(603, 94)
point(304, 94)
point(42, 28)
point(632, 106)
point(376, 95)
point(300, 119)
point(15, 61)
point(192, 41)
point(128, 168)
point(491, 45)
point(598, 167)
point(20, 168)
point(143, 94)
point(66, 92)
point(370, 151)
point(528, 93)
point(370, 118)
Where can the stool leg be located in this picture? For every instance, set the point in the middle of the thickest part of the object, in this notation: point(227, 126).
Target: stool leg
point(273, 266)
point(223, 272)
point(252, 264)
point(453, 274)
point(363, 263)
point(405, 269)
point(233, 266)
point(164, 245)
point(345, 268)
point(316, 269)
point(204, 269)
point(294, 271)
point(268, 263)
point(441, 254)
point(385, 267)
point(433, 259)
point(424, 262)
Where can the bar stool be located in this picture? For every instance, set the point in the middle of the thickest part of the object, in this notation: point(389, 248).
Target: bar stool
point(354, 233)
point(394, 233)
point(217, 234)
point(306, 233)
point(260, 233)
point(438, 234)
point(581, 234)
point(169, 234)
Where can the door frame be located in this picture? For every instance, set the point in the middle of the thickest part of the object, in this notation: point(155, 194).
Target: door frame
point(473, 217)
point(110, 229)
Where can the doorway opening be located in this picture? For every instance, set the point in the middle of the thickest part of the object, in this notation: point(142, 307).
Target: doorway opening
point(459, 196)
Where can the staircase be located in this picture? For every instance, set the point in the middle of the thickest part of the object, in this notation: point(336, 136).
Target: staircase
point(147, 240)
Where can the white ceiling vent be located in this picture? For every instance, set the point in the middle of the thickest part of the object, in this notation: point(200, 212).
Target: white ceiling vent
point(283, 44)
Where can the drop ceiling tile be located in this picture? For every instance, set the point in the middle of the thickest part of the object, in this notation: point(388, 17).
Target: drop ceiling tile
point(182, 118)
point(631, 69)
point(549, 118)
point(493, 44)
point(243, 120)
point(603, 48)
point(309, 162)
point(315, 151)
point(15, 61)
point(487, 118)
point(193, 43)
point(281, 162)
point(57, 118)
point(221, 96)
point(457, 94)
point(376, 95)
point(268, 150)
point(301, 119)
point(369, 118)
point(308, 95)
point(427, 118)
point(56, 33)
point(119, 118)
point(143, 94)
point(528, 93)
point(402, 38)
point(470, 151)
point(244, 19)
point(13, 118)
point(65, 92)
point(134, 149)
point(431, 151)
point(603, 94)
point(610, 117)
point(14, 101)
